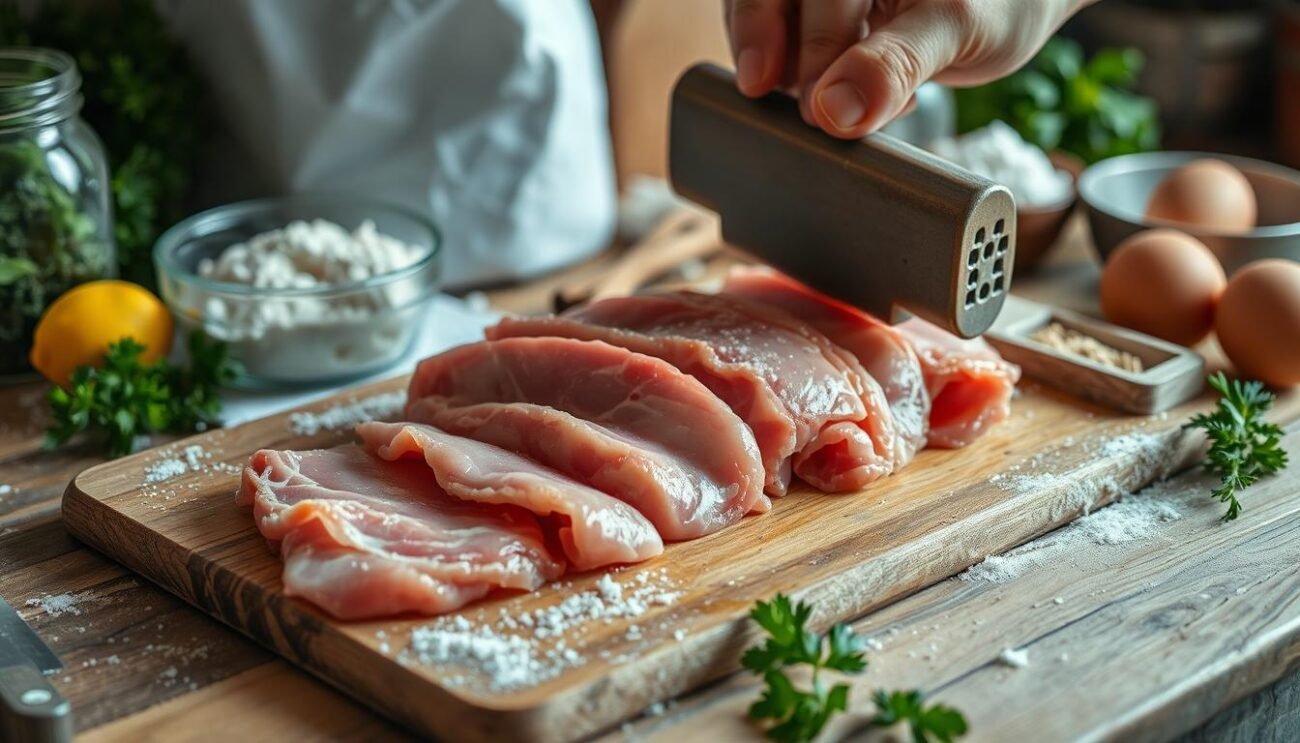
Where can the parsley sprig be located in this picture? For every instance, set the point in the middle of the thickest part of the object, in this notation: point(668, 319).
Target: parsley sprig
point(800, 714)
point(929, 724)
point(1243, 446)
point(124, 398)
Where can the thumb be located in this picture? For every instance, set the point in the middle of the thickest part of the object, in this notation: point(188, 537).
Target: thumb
point(871, 83)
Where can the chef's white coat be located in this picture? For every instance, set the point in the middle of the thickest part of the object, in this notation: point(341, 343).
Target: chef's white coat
point(489, 115)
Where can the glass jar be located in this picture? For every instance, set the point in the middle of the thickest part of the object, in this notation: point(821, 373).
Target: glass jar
point(56, 222)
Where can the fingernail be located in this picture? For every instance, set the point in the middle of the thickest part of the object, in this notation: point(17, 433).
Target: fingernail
point(842, 104)
point(749, 69)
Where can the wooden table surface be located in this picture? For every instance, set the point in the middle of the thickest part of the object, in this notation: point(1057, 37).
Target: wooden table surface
point(1151, 638)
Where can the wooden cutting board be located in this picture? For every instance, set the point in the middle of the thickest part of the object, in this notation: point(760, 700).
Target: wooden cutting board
point(1051, 461)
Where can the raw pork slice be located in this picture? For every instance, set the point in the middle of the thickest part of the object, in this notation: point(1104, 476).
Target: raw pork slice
point(594, 529)
point(970, 384)
point(882, 350)
point(808, 402)
point(627, 424)
point(361, 537)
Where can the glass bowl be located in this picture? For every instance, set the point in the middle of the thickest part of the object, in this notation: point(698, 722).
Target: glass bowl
point(300, 337)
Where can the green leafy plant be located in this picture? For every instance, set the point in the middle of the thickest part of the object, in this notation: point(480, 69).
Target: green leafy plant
point(1243, 446)
point(1059, 101)
point(928, 724)
point(798, 715)
point(48, 244)
point(143, 99)
point(124, 398)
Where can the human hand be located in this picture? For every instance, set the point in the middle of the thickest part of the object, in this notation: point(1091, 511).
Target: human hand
point(855, 64)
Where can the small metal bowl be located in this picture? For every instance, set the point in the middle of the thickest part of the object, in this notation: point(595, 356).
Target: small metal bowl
point(300, 337)
point(1116, 192)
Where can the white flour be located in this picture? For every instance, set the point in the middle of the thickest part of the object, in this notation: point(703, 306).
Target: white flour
point(192, 458)
point(288, 336)
point(521, 650)
point(1014, 658)
point(1131, 519)
point(303, 255)
point(999, 153)
point(63, 603)
point(1147, 449)
point(346, 415)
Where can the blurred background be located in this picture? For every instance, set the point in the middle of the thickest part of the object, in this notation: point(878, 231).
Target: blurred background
point(1219, 75)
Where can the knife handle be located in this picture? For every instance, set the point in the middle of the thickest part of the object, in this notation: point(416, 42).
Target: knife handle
point(31, 709)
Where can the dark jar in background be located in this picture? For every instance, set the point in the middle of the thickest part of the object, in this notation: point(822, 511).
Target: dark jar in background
point(56, 220)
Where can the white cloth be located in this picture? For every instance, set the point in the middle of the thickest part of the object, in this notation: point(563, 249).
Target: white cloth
point(488, 115)
point(449, 322)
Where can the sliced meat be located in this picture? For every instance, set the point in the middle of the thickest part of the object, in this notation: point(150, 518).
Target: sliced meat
point(883, 352)
point(361, 537)
point(628, 424)
point(681, 500)
point(806, 400)
point(970, 385)
point(594, 529)
point(738, 385)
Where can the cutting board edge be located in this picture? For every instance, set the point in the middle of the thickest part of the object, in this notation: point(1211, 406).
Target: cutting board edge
point(721, 643)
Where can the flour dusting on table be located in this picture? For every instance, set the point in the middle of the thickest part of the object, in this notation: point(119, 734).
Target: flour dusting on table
point(62, 603)
point(1130, 519)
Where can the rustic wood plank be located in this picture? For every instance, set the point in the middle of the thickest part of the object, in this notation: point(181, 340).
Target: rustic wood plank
point(125, 644)
point(849, 554)
point(270, 702)
point(1156, 637)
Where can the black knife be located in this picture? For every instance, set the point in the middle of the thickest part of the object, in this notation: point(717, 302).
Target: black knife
point(30, 709)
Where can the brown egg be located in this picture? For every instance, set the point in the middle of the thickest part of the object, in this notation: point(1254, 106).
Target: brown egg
point(1258, 321)
point(1163, 283)
point(1206, 193)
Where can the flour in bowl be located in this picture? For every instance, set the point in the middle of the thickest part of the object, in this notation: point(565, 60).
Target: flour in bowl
point(293, 327)
point(998, 153)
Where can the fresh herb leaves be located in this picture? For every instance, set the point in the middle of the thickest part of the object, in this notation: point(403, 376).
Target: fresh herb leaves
point(928, 724)
point(1243, 446)
point(798, 715)
point(142, 96)
point(48, 244)
point(125, 399)
point(1059, 101)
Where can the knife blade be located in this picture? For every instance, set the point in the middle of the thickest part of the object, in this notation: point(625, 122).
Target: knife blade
point(30, 708)
point(20, 644)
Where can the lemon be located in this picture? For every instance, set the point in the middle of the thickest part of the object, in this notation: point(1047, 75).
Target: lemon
point(76, 330)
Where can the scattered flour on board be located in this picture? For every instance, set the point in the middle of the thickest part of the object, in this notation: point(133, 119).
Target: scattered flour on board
point(1146, 449)
point(62, 603)
point(1130, 519)
point(520, 650)
point(191, 458)
point(349, 414)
